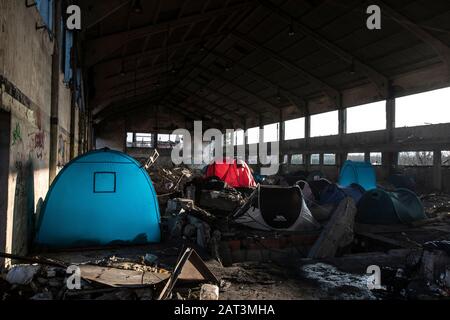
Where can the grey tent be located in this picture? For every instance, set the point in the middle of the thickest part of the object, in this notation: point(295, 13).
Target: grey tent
point(277, 208)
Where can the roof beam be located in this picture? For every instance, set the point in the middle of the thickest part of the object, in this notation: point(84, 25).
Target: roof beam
point(249, 110)
point(188, 112)
point(203, 110)
point(295, 100)
point(237, 21)
point(233, 115)
point(113, 86)
point(239, 88)
point(328, 90)
point(437, 45)
point(100, 48)
point(380, 80)
point(107, 64)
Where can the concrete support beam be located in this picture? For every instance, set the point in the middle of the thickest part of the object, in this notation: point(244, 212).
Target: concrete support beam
point(54, 104)
point(437, 170)
point(389, 159)
point(342, 127)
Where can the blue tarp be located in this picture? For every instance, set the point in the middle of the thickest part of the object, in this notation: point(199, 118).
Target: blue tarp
point(334, 194)
point(383, 207)
point(101, 198)
point(361, 173)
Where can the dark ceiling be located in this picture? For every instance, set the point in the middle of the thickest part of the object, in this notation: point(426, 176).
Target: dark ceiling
point(236, 60)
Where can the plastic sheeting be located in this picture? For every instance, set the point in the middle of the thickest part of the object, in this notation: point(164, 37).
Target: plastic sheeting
point(333, 194)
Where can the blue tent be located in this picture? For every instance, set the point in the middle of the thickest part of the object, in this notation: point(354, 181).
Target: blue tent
point(378, 206)
point(361, 173)
point(334, 194)
point(104, 197)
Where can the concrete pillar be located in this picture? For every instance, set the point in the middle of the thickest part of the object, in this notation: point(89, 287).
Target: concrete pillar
point(246, 140)
point(72, 126)
point(307, 161)
point(154, 139)
point(342, 126)
point(321, 161)
point(281, 130)
point(306, 157)
point(5, 129)
point(307, 127)
point(54, 105)
point(261, 138)
point(389, 159)
point(437, 170)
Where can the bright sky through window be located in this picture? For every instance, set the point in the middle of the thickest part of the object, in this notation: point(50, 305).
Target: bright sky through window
point(324, 124)
point(253, 135)
point(294, 129)
point(271, 132)
point(367, 117)
point(425, 108)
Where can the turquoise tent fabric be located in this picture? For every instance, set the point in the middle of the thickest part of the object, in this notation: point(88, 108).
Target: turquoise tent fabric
point(378, 206)
point(103, 197)
point(361, 173)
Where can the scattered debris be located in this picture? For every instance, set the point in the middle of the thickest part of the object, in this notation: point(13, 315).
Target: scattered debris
point(339, 285)
point(190, 267)
point(22, 274)
point(338, 232)
point(115, 277)
point(209, 292)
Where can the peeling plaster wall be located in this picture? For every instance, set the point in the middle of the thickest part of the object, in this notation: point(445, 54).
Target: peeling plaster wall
point(26, 67)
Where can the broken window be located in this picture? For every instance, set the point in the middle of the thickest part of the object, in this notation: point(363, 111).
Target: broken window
point(415, 158)
point(239, 136)
point(294, 129)
point(329, 159)
point(445, 156)
point(167, 141)
point(315, 159)
point(253, 135)
point(425, 108)
point(356, 157)
point(271, 132)
point(367, 117)
point(297, 159)
point(376, 158)
point(252, 159)
point(143, 140)
point(228, 139)
point(325, 124)
point(129, 139)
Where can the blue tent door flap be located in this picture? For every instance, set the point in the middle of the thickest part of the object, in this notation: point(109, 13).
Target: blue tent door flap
point(101, 198)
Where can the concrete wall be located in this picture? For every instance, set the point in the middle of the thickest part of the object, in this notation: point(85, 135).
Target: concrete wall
point(26, 95)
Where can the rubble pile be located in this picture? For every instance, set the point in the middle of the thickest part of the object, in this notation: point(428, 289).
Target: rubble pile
point(436, 204)
point(111, 278)
point(167, 181)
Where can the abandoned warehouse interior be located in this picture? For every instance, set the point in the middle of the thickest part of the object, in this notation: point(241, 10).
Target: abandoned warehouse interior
point(334, 132)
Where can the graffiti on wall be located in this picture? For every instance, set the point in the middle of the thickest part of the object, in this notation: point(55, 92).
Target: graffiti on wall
point(63, 150)
point(37, 143)
point(16, 135)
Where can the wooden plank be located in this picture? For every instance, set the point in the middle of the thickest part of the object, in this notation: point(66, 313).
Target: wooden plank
point(337, 233)
point(121, 278)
